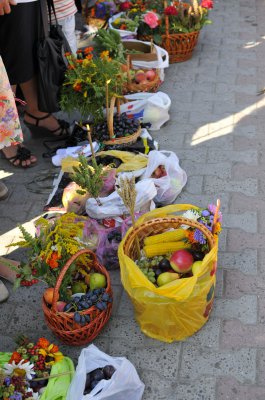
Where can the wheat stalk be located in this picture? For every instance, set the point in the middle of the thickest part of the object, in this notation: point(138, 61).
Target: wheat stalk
point(128, 194)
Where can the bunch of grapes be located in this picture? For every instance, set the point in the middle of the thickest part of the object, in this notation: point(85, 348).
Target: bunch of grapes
point(122, 126)
point(97, 297)
point(153, 267)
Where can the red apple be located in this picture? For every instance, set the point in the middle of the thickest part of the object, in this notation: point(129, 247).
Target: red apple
point(140, 77)
point(150, 75)
point(181, 261)
point(60, 306)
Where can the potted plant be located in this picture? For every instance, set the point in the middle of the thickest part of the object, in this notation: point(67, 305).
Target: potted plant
point(177, 28)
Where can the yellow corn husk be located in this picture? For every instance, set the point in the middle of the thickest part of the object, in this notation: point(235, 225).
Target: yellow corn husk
point(159, 249)
point(172, 236)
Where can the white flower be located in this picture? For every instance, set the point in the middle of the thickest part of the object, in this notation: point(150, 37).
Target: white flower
point(190, 214)
point(54, 248)
point(27, 367)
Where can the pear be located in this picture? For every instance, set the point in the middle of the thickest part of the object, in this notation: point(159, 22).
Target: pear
point(196, 267)
point(166, 277)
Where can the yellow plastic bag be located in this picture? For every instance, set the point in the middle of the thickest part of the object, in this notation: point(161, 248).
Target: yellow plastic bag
point(176, 310)
point(130, 161)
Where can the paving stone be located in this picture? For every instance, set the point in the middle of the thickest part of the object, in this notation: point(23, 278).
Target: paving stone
point(247, 131)
point(219, 288)
point(156, 387)
point(127, 328)
point(248, 156)
point(246, 221)
point(238, 284)
point(201, 200)
point(248, 186)
point(126, 308)
point(215, 169)
point(156, 359)
point(244, 309)
point(235, 335)
point(229, 388)
point(208, 335)
point(240, 364)
point(200, 389)
point(194, 184)
point(245, 261)
point(240, 240)
point(193, 154)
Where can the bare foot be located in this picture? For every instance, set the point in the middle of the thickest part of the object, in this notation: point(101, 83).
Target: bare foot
point(11, 151)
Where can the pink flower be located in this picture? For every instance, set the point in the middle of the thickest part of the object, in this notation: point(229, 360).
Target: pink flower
point(151, 19)
point(207, 4)
point(171, 10)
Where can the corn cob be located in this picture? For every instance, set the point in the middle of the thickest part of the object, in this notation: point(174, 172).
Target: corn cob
point(172, 236)
point(160, 249)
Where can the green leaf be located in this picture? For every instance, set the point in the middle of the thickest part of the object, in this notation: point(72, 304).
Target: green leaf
point(17, 283)
point(157, 38)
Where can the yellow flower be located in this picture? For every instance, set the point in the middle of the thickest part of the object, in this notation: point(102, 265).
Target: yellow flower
point(51, 354)
point(217, 228)
point(104, 55)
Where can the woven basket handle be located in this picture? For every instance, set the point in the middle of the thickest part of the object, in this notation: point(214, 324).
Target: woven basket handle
point(129, 67)
point(114, 100)
point(64, 270)
point(166, 22)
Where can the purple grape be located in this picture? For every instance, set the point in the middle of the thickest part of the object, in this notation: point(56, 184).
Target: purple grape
point(97, 375)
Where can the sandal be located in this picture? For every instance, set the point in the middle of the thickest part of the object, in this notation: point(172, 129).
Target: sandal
point(62, 131)
point(23, 154)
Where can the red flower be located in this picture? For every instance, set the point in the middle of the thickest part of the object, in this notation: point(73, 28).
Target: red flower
point(207, 4)
point(171, 10)
point(125, 6)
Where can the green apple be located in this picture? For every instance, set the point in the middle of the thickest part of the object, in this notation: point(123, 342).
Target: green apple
point(97, 281)
point(196, 267)
point(166, 277)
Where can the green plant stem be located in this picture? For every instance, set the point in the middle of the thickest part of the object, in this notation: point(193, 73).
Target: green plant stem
point(52, 376)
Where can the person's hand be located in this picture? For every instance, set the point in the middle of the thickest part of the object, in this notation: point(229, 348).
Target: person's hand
point(5, 6)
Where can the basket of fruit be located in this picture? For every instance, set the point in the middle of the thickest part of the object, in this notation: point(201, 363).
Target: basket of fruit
point(140, 80)
point(173, 272)
point(118, 128)
point(78, 319)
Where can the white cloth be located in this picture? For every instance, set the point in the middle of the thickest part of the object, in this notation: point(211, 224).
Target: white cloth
point(68, 27)
point(24, 1)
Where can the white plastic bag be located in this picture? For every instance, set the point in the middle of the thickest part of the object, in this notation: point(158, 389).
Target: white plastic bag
point(112, 205)
point(169, 186)
point(149, 107)
point(123, 33)
point(125, 383)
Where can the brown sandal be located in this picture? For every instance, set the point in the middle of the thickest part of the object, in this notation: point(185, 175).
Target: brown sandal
point(62, 131)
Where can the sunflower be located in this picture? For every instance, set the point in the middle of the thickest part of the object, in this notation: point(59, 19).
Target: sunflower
point(51, 354)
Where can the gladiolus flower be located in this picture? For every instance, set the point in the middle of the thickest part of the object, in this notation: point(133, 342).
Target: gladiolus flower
point(171, 10)
point(207, 4)
point(151, 19)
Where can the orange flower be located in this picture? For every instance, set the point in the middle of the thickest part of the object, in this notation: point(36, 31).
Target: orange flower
point(52, 262)
point(88, 50)
point(92, 12)
point(43, 343)
point(77, 87)
point(79, 61)
point(190, 236)
point(79, 51)
point(71, 67)
point(54, 348)
point(89, 57)
point(67, 54)
point(123, 27)
point(15, 357)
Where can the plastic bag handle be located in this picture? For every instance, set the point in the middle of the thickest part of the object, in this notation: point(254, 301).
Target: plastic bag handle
point(64, 270)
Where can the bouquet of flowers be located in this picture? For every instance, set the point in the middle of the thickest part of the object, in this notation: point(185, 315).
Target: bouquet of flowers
point(182, 17)
point(28, 369)
point(86, 81)
point(205, 216)
point(55, 242)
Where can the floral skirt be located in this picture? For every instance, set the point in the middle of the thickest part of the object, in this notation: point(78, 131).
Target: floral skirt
point(10, 129)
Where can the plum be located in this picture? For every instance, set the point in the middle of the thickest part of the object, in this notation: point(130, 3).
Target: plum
point(108, 371)
point(97, 375)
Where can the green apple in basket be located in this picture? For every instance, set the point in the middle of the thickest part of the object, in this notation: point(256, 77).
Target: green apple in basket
point(97, 281)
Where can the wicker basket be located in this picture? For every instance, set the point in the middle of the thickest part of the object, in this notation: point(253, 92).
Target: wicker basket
point(179, 46)
point(133, 87)
point(62, 324)
point(110, 115)
point(160, 225)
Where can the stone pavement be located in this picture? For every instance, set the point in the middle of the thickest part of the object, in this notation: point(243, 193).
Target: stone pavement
point(217, 130)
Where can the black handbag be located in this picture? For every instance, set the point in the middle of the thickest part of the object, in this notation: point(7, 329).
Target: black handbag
point(52, 63)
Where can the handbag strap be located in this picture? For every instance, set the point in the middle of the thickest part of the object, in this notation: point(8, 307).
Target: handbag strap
point(44, 18)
